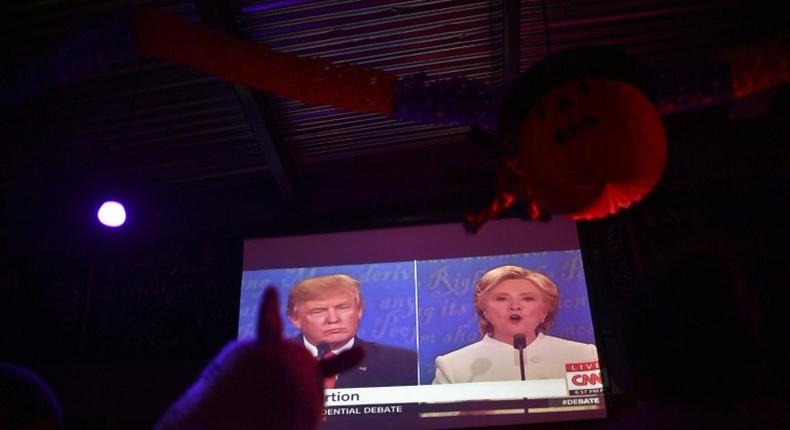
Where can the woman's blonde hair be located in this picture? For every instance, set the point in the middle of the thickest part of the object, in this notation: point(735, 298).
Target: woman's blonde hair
point(495, 276)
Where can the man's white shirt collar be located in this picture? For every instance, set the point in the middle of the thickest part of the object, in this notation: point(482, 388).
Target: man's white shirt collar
point(314, 349)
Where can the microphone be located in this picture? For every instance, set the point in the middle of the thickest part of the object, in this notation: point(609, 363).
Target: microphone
point(519, 343)
point(325, 353)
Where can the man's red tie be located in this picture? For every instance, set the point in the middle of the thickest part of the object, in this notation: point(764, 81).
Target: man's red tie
point(329, 381)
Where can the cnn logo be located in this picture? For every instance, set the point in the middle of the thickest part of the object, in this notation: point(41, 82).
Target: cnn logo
point(583, 378)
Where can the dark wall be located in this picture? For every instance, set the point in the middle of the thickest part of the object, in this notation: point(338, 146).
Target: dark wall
point(691, 285)
point(119, 328)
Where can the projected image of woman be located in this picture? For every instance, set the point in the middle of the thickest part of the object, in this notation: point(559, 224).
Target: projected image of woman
point(513, 303)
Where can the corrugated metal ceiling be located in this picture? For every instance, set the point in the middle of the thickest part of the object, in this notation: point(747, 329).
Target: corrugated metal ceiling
point(654, 30)
point(455, 38)
point(148, 118)
point(441, 38)
point(178, 127)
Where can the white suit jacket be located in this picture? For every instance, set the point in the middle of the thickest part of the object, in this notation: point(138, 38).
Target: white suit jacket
point(492, 360)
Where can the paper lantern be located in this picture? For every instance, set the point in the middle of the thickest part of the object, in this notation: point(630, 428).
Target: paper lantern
point(591, 147)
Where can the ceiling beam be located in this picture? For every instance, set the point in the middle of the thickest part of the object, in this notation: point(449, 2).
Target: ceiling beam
point(255, 105)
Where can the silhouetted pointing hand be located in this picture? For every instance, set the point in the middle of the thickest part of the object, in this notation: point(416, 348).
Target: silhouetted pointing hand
point(261, 383)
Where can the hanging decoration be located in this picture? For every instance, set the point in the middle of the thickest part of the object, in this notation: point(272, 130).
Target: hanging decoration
point(759, 65)
point(586, 145)
point(456, 101)
point(591, 147)
point(310, 80)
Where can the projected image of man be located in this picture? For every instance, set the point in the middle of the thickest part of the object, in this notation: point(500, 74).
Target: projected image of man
point(328, 311)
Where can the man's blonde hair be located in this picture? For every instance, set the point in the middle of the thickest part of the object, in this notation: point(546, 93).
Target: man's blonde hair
point(497, 275)
point(319, 287)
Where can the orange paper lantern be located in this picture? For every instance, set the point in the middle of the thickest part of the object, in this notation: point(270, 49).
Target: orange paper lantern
point(591, 147)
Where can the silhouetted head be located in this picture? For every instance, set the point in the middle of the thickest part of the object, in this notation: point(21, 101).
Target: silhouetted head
point(26, 401)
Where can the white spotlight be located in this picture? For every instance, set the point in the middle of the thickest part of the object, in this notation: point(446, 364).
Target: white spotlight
point(112, 214)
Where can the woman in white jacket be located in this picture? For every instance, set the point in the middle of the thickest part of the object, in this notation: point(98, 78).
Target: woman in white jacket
point(510, 301)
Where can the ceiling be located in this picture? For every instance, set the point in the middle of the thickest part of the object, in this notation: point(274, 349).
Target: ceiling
point(190, 151)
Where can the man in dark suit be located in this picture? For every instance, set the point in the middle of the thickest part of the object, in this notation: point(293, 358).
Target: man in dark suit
point(328, 309)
